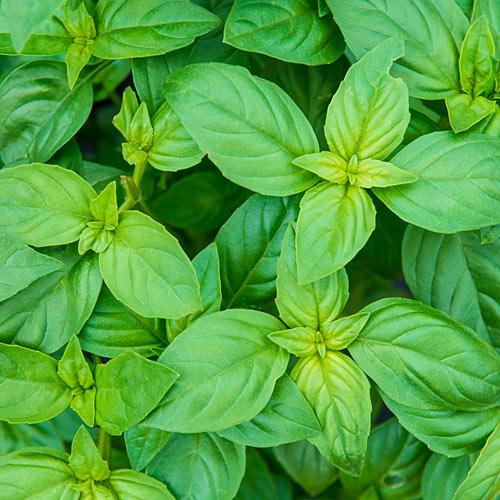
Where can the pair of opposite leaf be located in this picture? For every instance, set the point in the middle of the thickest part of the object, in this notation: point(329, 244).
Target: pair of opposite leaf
point(141, 263)
point(117, 396)
point(332, 382)
point(52, 474)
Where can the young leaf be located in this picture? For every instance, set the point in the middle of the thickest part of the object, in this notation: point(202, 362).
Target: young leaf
point(334, 224)
point(39, 111)
point(477, 65)
point(458, 275)
point(113, 328)
point(368, 115)
point(249, 245)
point(44, 204)
point(432, 32)
point(456, 175)
point(129, 484)
point(300, 341)
point(52, 309)
point(143, 444)
point(246, 129)
point(207, 267)
point(465, 111)
point(393, 465)
point(449, 432)
point(483, 480)
point(148, 27)
point(173, 148)
point(200, 465)
point(312, 305)
point(291, 30)
point(374, 173)
point(424, 359)
point(327, 165)
point(128, 388)
point(342, 332)
point(287, 417)
point(25, 18)
point(442, 476)
point(306, 466)
point(146, 269)
point(74, 370)
point(31, 389)
point(85, 460)
point(339, 393)
point(20, 266)
point(237, 368)
point(42, 472)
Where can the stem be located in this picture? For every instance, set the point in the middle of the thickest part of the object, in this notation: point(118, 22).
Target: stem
point(132, 187)
point(104, 445)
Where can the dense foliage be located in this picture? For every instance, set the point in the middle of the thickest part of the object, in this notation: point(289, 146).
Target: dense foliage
point(249, 249)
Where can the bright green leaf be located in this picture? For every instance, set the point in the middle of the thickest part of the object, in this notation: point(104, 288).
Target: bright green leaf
point(143, 444)
point(442, 476)
point(132, 485)
point(466, 111)
point(342, 332)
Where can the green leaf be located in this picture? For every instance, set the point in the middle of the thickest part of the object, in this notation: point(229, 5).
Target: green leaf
point(483, 480)
point(42, 472)
point(442, 476)
point(143, 444)
point(146, 269)
point(477, 63)
point(423, 359)
point(247, 129)
point(291, 30)
point(85, 460)
point(25, 18)
point(465, 111)
point(327, 165)
point(287, 417)
point(249, 245)
point(458, 275)
point(20, 266)
point(148, 27)
point(449, 432)
point(202, 201)
point(173, 148)
point(457, 177)
point(368, 115)
point(374, 173)
point(334, 224)
point(306, 466)
point(342, 332)
point(200, 466)
point(312, 305)
point(339, 393)
point(31, 390)
point(258, 482)
point(104, 207)
point(44, 204)
point(132, 485)
point(17, 436)
point(393, 465)
point(432, 32)
point(74, 370)
point(77, 57)
point(300, 341)
point(207, 267)
point(128, 388)
point(39, 111)
point(489, 9)
point(52, 309)
point(237, 368)
point(113, 328)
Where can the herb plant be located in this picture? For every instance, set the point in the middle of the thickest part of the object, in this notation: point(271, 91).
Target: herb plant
point(250, 249)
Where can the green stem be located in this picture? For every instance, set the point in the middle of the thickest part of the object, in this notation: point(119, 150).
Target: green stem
point(132, 187)
point(104, 445)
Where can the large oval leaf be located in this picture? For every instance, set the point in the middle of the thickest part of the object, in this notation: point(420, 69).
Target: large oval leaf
point(236, 370)
point(252, 131)
point(132, 485)
point(291, 30)
point(148, 27)
point(200, 466)
point(423, 359)
point(44, 205)
point(432, 32)
point(146, 269)
point(457, 274)
point(458, 185)
point(249, 245)
point(39, 111)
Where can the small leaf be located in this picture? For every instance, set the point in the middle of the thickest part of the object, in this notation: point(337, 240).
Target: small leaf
point(143, 444)
point(77, 57)
point(85, 460)
point(327, 165)
point(300, 341)
point(128, 388)
point(465, 111)
point(342, 332)
point(334, 224)
point(375, 173)
point(104, 207)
